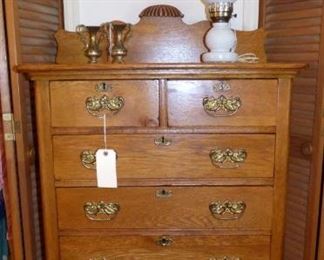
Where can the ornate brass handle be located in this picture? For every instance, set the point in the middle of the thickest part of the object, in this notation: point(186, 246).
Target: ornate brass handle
point(225, 258)
point(96, 106)
point(164, 241)
point(88, 159)
point(162, 141)
point(221, 106)
point(101, 211)
point(228, 158)
point(228, 210)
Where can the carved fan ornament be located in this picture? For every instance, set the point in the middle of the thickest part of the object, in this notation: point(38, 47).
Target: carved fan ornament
point(161, 11)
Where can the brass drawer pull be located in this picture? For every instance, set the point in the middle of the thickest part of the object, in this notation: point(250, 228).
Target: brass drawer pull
point(228, 158)
point(97, 106)
point(162, 141)
point(101, 211)
point(221, 106)
point(164, 241)
point(163, 194)
point(88, 159)
point(225, 258)
point(228, 210)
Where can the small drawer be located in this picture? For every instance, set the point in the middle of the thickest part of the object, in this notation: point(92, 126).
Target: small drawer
point(195, 156)
point(222, 103)
point(231, 208)
point(165, 247)
point(126, 103)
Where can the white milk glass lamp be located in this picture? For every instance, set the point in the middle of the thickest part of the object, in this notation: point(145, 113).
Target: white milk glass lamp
point(221, 39)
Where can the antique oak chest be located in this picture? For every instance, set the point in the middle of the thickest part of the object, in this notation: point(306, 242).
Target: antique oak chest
point(202, 159)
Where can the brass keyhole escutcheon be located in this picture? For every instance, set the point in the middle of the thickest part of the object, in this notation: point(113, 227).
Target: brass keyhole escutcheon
point(162, 141)
point(164, 241)
point(103, 87)
point(162, 194)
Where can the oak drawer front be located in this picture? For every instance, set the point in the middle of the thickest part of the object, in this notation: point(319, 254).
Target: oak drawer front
point(232, 208)
point(202, 103)
point(165, 247)
point(126, 103)
point(155, 156)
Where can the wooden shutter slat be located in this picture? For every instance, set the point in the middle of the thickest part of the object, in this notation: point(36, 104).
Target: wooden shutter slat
point(292, 6)
point(41, 26)
point(39, 8)
point(289, 49)
point(33, 33)
point(305, 13)
point(292, 40)
point(31, 50)
point(50, 3)
point(294, 57)
point(34, 16)
point(37, 42)
point(278, 3)
point(38, 59)
point(312, 21)
point(314, 30)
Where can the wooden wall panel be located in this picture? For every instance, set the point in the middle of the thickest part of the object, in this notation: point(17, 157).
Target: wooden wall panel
point(30, 30)
point(295, 34)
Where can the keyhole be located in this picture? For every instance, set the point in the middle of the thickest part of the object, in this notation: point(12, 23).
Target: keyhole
point(103, 87)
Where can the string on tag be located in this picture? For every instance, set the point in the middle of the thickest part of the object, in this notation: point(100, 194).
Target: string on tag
point(105, 130)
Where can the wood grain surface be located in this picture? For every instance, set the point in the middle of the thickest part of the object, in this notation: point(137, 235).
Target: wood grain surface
point(261, 185)
point(258, 103)
point(146, 247)
point(48, 198)
point(141, 103)
point(187, 208)
point(187, 157)
point(159, 70)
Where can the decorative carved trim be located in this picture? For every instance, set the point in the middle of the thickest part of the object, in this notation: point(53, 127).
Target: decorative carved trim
point(161, 11)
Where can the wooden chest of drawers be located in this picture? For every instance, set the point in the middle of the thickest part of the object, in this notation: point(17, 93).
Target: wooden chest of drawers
point(202, 160)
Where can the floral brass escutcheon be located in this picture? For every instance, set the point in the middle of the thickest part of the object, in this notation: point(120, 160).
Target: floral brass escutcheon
point(221, 106)
point(222, 86)
point(97, 106)
point(228, 158)
point(101, 211)
point(228, 210)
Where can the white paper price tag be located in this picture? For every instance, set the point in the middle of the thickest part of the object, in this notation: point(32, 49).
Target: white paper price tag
point(106, 168)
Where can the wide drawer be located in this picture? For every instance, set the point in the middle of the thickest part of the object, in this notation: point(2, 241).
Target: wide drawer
point(126, 103)
point(165, 247)
point(169, 156)
point(230, 208)
point(222, 103)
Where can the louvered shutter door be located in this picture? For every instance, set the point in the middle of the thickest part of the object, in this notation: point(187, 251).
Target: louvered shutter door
point(294, 34)
point(34, 23)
